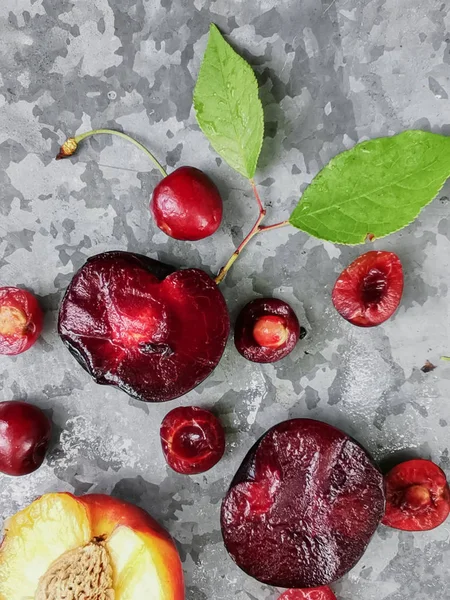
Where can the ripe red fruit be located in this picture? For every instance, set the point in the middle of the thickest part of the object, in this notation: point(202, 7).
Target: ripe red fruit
point(21, 320)
point(25, 433)
point(142, 326)
point(187, 205)
point(320, 593)
point(369, 290)
point(266, 330)
point(302, 506)
point(417, 496)
point(192, 440)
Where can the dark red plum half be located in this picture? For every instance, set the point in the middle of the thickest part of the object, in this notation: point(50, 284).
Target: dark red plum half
point(142, 326)
point(266, 330)
point(303, 506)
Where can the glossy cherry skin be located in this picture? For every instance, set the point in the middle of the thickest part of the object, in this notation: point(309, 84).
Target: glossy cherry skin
point(368, 291)
point(21, 320)
point(143, 326)
point(417, 496)
point(266, 330)
point(193, 440)
point(187, 205)
point(302, 506)
point(25, 433)
point(320, 593)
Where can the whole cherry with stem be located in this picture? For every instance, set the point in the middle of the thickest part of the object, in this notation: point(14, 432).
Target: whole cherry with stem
point(186, 204)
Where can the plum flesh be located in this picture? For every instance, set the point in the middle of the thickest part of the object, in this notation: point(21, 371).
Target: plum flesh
point(142, 326)
point(303, 506)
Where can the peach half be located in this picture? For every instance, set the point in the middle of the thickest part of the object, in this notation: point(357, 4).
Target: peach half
point(93, 548)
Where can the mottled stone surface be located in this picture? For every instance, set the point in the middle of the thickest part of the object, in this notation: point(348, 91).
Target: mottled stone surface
point(331, 73)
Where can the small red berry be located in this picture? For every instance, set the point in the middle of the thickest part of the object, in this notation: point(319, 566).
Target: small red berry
point(187, 205)
point(417, 496)
point(369, 290)
point(266, 330)
point(193, 440)
point(320, 593)
point(21, 320)
point(24, 437)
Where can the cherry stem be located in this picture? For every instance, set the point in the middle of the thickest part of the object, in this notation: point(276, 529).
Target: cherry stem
point(257, 228)
point(141, 147)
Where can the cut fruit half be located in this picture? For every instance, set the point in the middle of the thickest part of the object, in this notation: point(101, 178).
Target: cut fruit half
point(320, 593)
point(94, 547)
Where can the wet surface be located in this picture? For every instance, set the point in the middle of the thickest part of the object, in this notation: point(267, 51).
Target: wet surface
point(331, 73)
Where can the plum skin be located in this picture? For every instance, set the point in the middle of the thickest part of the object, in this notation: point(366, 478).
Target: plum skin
point(266, 320)
point(182, 350)
point(263, 531)
point(187, 205)
point(192, 439)
point(25, 433)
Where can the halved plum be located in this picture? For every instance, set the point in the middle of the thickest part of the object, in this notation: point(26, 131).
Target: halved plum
point(21, 320)
point(303, 506)
point(417, 496)
point(142, 326)
point(368, 291)
point(320, 593)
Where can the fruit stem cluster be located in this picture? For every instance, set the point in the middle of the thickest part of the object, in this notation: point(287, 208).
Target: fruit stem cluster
point(257, 228)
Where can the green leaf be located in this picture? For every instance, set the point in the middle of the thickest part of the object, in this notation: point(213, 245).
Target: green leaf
point(227, 105)
point(374, 189)
point(447, 358)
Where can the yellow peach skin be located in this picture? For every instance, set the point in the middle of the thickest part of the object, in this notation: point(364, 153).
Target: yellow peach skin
point(95, 542)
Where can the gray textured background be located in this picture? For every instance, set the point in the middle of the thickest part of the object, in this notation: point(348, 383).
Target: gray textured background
point(331, 73)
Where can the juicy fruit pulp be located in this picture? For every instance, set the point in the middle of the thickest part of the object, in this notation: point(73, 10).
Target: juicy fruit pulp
point(25, 433)
point(21, 320)
point(303, 506)
point(320, 593)
point(187, 205)
point(266, 330)
point(192, 440)
point(417, 496)
point(138, 324)
point(94, 547)
point(369, 290)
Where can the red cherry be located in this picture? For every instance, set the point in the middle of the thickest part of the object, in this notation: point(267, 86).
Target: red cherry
point(320, 593)
point(24, 437)
point(21, 320)
point(266, 330)
point(187, 205)
point(192, 440)
point(369, 290)
point(417, 496)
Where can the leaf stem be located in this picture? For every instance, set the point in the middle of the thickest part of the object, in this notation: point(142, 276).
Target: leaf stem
point(257, 228)
point(124, 136)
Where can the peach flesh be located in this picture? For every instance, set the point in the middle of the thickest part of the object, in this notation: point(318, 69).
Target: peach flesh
point(111, 550)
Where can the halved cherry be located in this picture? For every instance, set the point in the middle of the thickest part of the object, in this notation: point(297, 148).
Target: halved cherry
point(21, 320)
point(320, 593)
point(417, 496)
point(193, 440)
point(266, 330)
point(369, 290)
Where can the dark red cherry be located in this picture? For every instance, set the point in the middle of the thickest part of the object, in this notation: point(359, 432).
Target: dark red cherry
point(25, 433)
point(21, 320)
point(187, 205)
point(320, 593)
point(417, 496)
point(369, 290)
point(266, 330)
point(192, 440)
